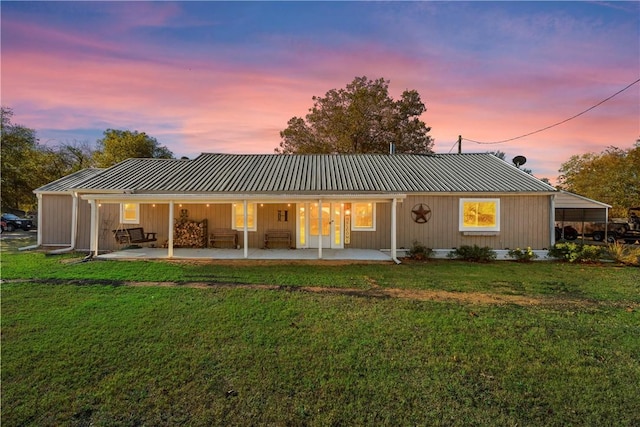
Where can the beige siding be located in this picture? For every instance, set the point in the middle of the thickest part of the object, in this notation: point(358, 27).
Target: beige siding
point(56, 219)
point(379, 239)
point(524, 222)
point(155, 218)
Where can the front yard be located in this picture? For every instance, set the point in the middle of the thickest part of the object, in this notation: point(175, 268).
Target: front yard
point(240, 343)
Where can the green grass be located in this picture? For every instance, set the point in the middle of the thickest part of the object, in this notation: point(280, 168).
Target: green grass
point(94, 352)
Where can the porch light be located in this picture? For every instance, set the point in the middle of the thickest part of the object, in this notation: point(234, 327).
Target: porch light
point(207, 204)
point(153, 205)
point(347, 212)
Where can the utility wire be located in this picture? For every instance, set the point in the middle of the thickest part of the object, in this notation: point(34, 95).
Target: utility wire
point(555, 124)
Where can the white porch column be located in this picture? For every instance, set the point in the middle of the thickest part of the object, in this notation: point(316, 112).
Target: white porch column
point(39, 241)
point(246, 229)
point(394, 206)
point(93, 245)
point(170, 234)
point(74, 219)
point(319, 228)
point(552, 220)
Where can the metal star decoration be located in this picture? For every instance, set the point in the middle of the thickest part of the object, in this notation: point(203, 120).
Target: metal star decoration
point(421, 213)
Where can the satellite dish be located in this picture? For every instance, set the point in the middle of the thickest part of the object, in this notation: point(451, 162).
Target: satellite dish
point(519, 161)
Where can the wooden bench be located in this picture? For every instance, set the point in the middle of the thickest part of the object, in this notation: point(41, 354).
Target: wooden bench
point(277, 236)
point(134, 235)
point(223, 235)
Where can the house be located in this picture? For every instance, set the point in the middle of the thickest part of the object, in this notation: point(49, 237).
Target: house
point(367, 201)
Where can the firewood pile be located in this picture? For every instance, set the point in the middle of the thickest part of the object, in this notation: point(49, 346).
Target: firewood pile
point(190, 234)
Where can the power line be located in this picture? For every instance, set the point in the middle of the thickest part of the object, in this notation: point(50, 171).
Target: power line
point(556, 124)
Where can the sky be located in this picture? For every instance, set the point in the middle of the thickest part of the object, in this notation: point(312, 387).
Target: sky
point(225, 77)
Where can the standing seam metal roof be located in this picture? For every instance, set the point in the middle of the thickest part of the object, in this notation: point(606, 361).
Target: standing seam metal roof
point(269, 173)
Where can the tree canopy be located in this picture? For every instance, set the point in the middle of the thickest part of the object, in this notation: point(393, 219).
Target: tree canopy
point(119, 145)
point(362, 118)
point(612, 177)
point(25, 164)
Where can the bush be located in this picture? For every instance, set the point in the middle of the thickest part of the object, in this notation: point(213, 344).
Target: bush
point(521, 255)
point(419, 251)
point(473, 253)
point(623, 254)
point(575, 252)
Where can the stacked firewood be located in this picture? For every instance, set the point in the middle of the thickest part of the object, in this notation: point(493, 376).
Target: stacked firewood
point(190, 234)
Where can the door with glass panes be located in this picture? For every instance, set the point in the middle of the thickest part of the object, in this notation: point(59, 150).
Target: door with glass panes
point(323, 223)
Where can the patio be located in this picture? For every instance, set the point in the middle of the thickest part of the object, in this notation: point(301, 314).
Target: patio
point(253, 254)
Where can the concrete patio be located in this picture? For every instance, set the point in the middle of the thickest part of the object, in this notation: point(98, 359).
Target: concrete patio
point(254, 254)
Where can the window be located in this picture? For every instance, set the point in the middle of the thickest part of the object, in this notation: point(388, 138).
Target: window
point(364, 216)
point(237, 216)
point(479, 214)
point(129, 213)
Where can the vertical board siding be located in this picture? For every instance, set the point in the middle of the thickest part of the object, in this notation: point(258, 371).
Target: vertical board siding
point(379, 239)
point(56, 219)
point(524, 221)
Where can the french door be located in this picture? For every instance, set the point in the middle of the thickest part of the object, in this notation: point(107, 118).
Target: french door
point(321, 223)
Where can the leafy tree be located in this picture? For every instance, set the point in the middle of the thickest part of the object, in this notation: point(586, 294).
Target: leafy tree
point(362, 118)
point(119, 145)
point(612, 177)
point(23, 163)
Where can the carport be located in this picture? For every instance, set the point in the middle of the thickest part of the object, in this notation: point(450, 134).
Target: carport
point(570, 207)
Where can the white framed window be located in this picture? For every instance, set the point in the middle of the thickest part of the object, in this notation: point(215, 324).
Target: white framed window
point(237, 216)
point(479, 215)
point(363, 216)
point(129, 213)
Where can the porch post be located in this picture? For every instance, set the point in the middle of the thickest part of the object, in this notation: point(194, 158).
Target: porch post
point(552, 220)
point(39, 241)
point(93, 245)
point(319, 228)
point(74, 219)
point(170, 234)
point(246, 230)
point(394, 206)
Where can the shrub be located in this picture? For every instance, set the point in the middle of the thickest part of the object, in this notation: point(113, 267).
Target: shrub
point(623, 254)
point(473, 253)
point(522, 255)
point(419, 251)
point(575, 252)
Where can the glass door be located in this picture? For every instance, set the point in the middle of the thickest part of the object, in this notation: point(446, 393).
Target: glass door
point(312, 226)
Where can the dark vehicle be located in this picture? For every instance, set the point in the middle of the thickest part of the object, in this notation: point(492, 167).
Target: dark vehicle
point(14, 222)
point(568, 233)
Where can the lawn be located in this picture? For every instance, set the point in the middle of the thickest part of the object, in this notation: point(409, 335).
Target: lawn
point(82, 347)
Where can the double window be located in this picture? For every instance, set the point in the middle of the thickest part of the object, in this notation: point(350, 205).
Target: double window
point(364, 216)
point(237, 216)
point(479, 215)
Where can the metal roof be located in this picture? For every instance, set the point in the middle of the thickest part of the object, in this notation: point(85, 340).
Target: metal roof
point(70, 181)
point(317, 173)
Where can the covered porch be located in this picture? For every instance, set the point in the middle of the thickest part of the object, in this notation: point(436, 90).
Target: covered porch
point(252, 254)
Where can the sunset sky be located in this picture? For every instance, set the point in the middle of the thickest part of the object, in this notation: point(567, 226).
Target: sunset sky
point(227, 76)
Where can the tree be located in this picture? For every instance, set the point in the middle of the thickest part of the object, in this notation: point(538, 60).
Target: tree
point(362, 118)
point(119, 145)
point(612, 177)
point(23, 161)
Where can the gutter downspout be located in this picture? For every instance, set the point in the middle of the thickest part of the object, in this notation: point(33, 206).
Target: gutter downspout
point(394, 251)
point(39, 240)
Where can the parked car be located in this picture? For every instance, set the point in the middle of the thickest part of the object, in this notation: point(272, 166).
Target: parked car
point(14, 222)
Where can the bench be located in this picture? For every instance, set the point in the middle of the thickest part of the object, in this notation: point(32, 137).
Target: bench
point(133, 235)
point(223, 235)
point(277, 236)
